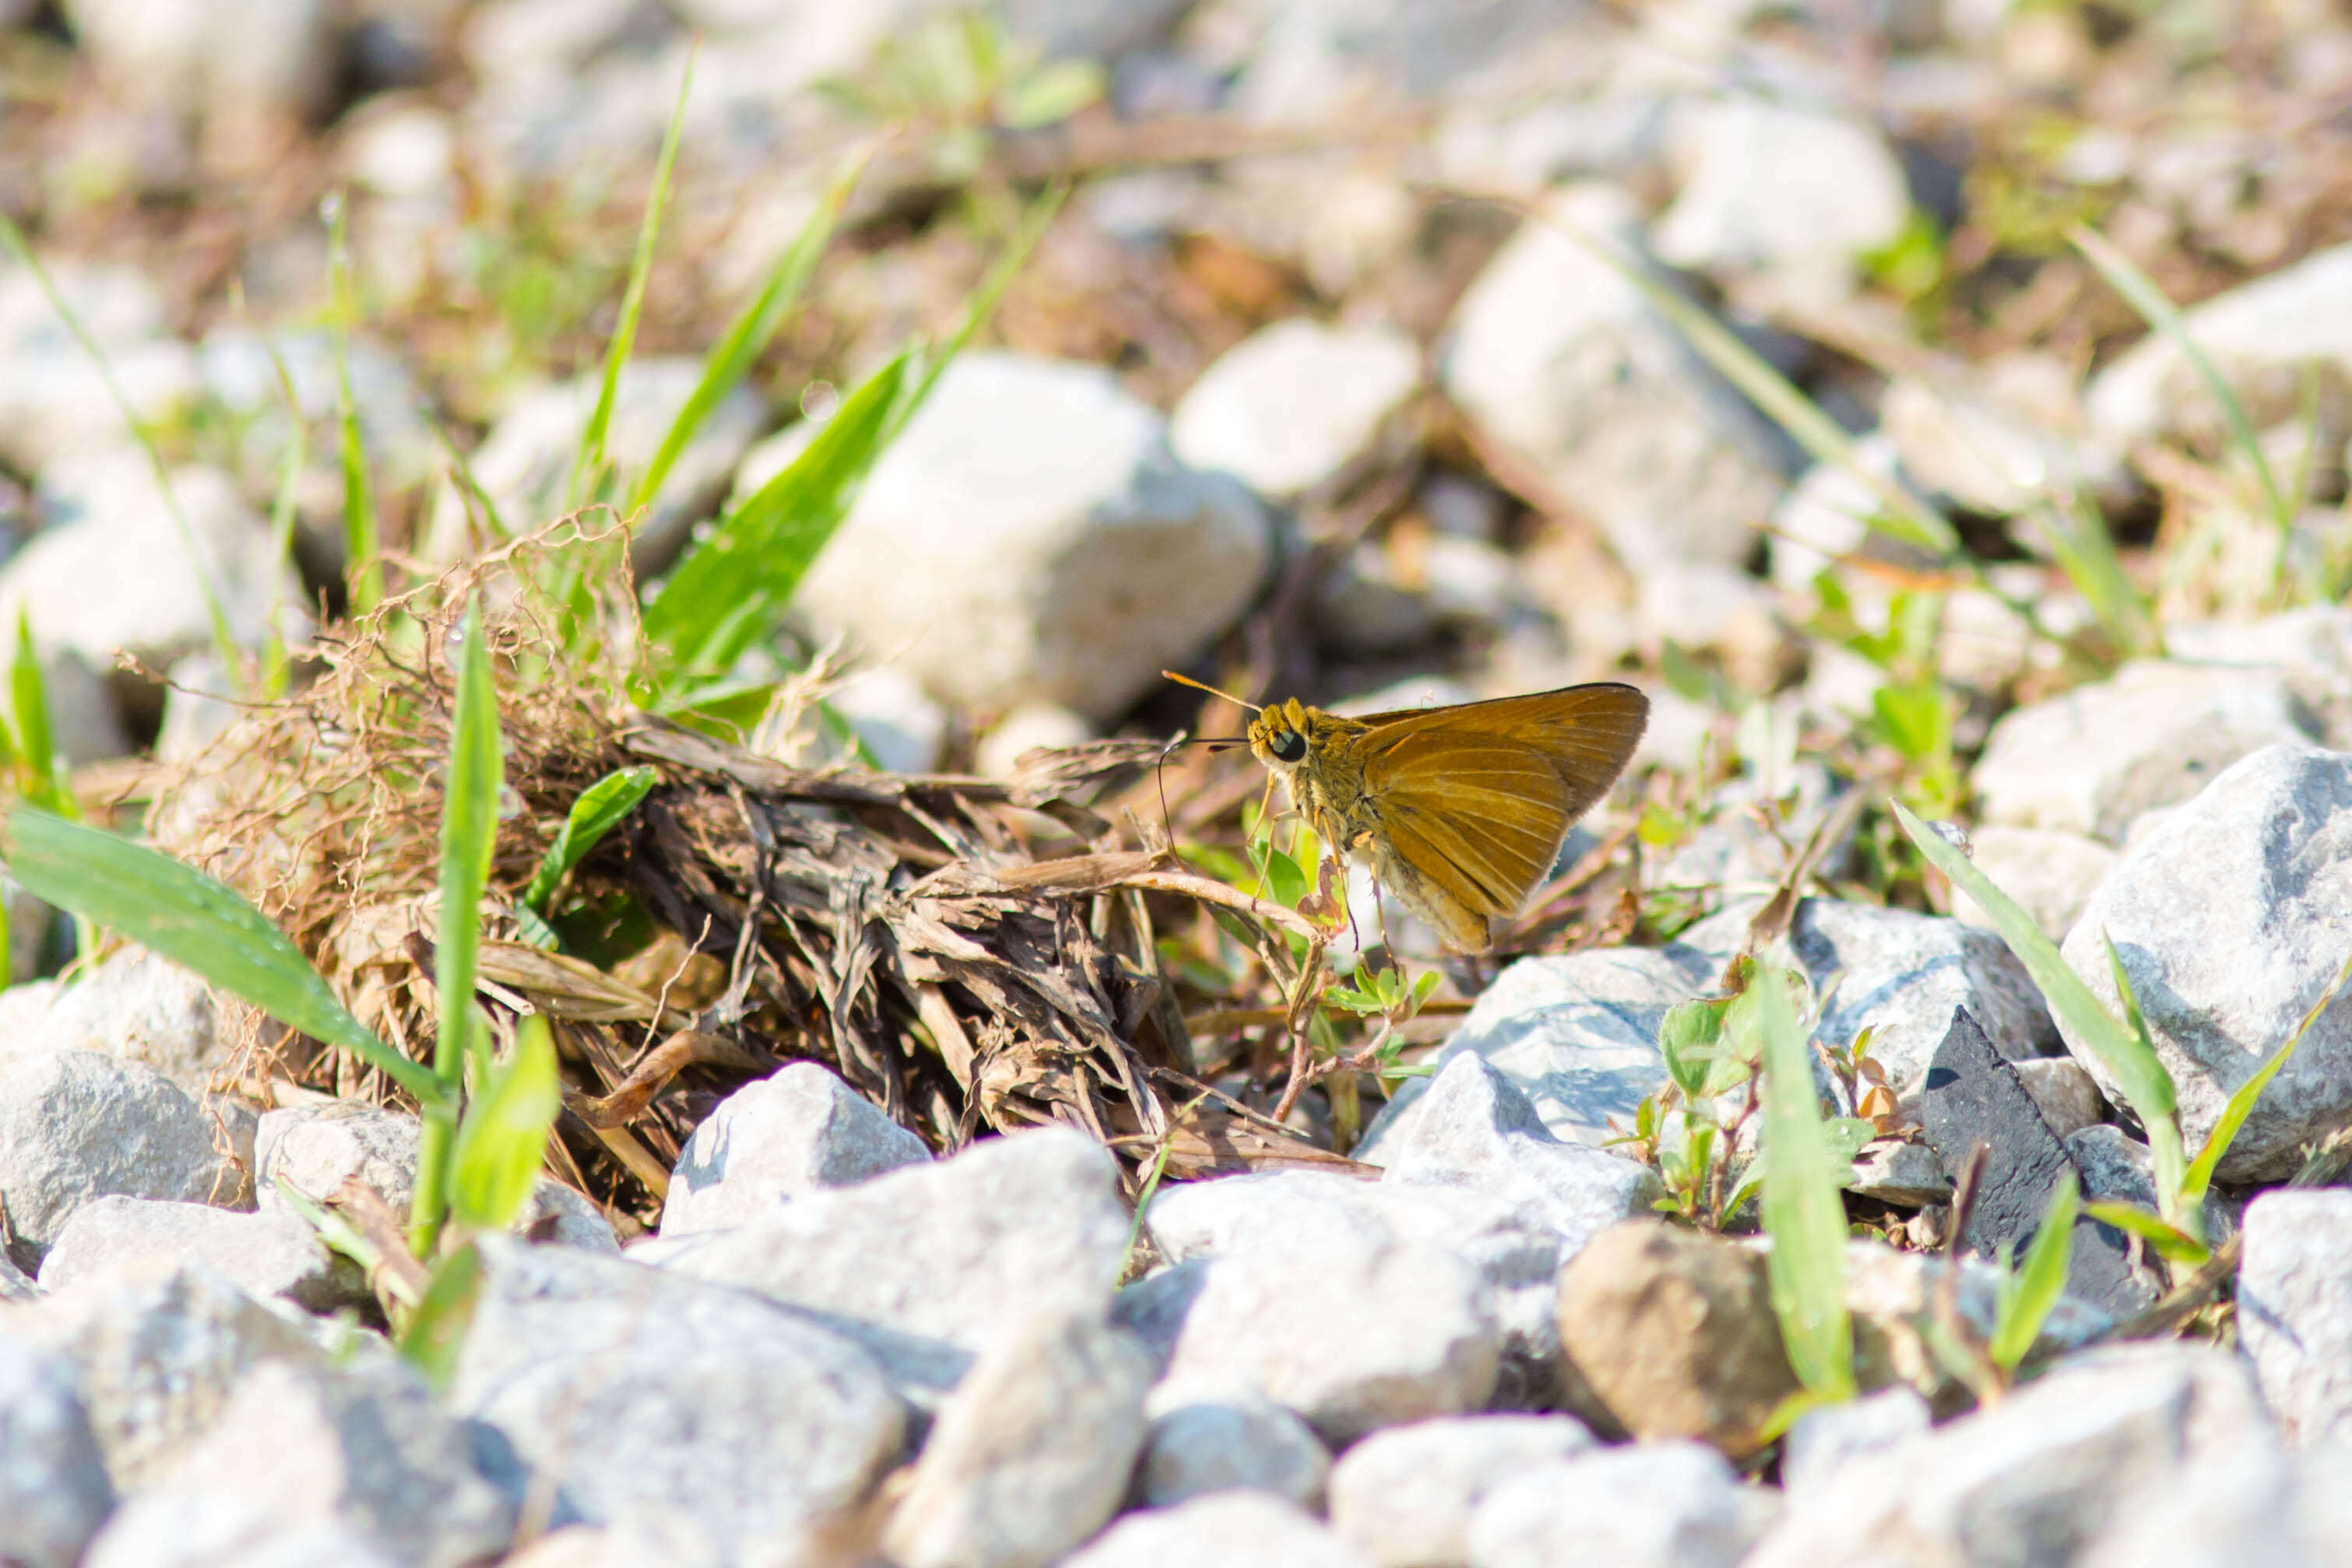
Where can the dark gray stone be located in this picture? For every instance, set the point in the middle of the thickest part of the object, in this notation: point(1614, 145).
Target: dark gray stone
point(54, 1490)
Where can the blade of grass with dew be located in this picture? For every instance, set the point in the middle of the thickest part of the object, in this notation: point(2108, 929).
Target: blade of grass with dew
point(751, 332)
point(1908, 520)
point(503, 1139)
point(588, 463)
point(1803, 1211)
point(362, 544)
point(224, 640)
point(2039, 1280)
point(2134, 1067)
point(2241, 1103)
point(469, 826)
point(601, 806)
point(197, 923)
point(2139, 291)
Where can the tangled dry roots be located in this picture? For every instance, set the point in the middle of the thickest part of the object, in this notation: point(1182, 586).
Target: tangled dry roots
point(896, 929)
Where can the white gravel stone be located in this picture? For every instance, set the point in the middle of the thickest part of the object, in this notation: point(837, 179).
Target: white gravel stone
point(1647, 1505)
point(2090, 760)
point(142, 1008)
point(54, 400)
point(226, 59)
point(524, 465)
point(2294, 1308)
point(1577, 1034)
point(1011, 1226)
point(1032, 1453)
point(317, 1147)
point(1992, 454)
point(1405, 1497)
point(77, 1125)
point(54, 1491)
point(645, 1394)
point(2229, 919)
point(1773, 188)
point(113, 526)
point(1067, 555)
point(1829, 1436)
point(1231, 1529)
point(1294, 405)
point(1563, 361)
point(2045, 1472)
point(1246, 1445)
point(160, 1347)
point(363, 1447)
point(2310, 648)
point(1356, 1307)
point(798, 1130)
point(266, 1255)
point(2051, 872)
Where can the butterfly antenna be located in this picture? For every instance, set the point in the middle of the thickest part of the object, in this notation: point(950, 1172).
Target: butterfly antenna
point(1198, 686)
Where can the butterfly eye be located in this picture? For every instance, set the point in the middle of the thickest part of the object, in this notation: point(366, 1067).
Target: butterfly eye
point(1289, 746)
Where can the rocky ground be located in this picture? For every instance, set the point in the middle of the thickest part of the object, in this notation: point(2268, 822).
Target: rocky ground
point(1769, 357)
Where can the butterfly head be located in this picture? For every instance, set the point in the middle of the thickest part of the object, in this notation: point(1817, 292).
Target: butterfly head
point(1278, 735)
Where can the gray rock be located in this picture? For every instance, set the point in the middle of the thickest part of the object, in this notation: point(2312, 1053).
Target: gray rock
point(266, 1255)
point(1648, 1505)
point(636, 1392)
point(160, 1347)
point(677, 1543)
point(2068, 1098)
point(1233, 1529)
point(2002, 446)
point(1363, 608)
point(2323, 1510)
point(2114, 1166)
point(798, 1130)
point(2234, 1508)
point(16, 1285)
point(1787, 192)
point(2091, 760)
point(227, 62)
point(1908, 1175)
point(2051, 872)
point(54, 399)
point(237, 369)
point(76, 1125)
point(85, 726)
point(1358, 1307)
point(317, 1147)
point(2310, 648)
point(2260, 332)
point(1405, 1497)
point(113, 526)
point(1900, 974)
point(2294, 1308)
point(1896, 1293)
point(2043, 1474)
point(54, 1491)
point(1068, 557)
point(524, 465)
point(1829, 1436)
point(1563, 361)
point(1009, 1228)
point(1295, 405)
point(24, 1006)
point(143, 1008)
point(363, 1447)
point(2224, 977)
point(1228, 1446)
point(228, 1532)
point(1577, 1034)
point(1033, 1452)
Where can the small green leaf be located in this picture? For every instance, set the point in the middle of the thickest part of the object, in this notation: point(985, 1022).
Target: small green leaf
point(2170, 1242)
point(601, 806)
point(502, 1141)
point(1052, 92)
point(2035, 1287)
point(1688, 1037)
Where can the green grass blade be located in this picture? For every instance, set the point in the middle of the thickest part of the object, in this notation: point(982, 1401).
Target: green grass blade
point(2240, 1104)
point(29, 702)
point(2134, 1067)
point(2139, 290)
point(503, 1139)
point(282, 506)
point(751, 332)
point(1803, 1211)
point(590, 462)
point(1907, 520)
point(224, 640)
point(723, 597)
point(601, 806)
point(2167, 1240)
point(2039, 1280)
point(2079, 542)
point(194, 921)
point(362, 543)
point(435, 1331)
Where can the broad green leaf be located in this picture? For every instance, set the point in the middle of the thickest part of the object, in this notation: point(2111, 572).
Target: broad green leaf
point(503, 1139)
point(197, 923)
point(1803, 1210)
point(1688, 1038)
point(601, 806)
point(469, 827)
point(2038, 1283)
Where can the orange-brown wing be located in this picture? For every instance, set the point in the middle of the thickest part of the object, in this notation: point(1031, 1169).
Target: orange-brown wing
point(1589, 731)
point(1479, 816)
